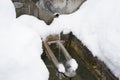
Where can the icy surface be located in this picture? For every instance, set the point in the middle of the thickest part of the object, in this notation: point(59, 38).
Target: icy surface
point(71, 67)
point(20, 48)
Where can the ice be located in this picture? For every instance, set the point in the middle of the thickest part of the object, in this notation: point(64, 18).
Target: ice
point(96, 24)
point(7, 12)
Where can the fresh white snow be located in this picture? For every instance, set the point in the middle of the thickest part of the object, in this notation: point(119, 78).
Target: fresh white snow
point(61, 68)
point(18, 4)
point(96, 24)
point(73, 64)
point(72, 67)
point(20, 48)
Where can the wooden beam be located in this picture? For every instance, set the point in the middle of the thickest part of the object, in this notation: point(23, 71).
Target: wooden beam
point(51, 54)
point(52, 42)
point(65, 52)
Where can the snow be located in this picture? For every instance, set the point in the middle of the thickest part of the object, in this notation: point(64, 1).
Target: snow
point(96, 24)
point(72, 67)
point(73, 64)
point(7, 12)
point(20, 48)
point(61, 68)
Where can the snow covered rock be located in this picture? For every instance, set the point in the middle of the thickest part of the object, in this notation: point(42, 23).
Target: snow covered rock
point(20, 48)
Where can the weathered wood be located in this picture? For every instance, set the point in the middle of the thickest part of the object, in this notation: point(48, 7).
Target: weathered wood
point(91, 62)
point(52, 42)
point(51, 54)
point(96, 67)
point(65, 52)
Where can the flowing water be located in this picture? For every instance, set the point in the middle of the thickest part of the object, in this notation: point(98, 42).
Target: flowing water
point(87, 64)
point(82, 72)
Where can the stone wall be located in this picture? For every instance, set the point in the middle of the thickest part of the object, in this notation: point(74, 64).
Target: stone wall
point(29, 7)
point(46, 9)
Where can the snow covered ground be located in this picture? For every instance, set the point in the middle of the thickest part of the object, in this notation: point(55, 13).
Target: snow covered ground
point(20, 48)
point(96, 24)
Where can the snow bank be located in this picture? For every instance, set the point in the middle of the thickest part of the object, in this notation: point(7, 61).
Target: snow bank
point(20, 48)
point(96, 24)
point(71, 68)
point(7, 12)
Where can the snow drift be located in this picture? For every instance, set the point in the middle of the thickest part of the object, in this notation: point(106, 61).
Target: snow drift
point(96, 24)
point(20, 48)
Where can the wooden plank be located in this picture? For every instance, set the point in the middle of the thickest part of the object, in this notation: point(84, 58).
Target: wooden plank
point(51, 54)
point(65, 52)
point(52, 42)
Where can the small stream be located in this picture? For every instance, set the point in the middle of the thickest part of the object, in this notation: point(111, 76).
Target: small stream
point(89, 67)
point(82, 72)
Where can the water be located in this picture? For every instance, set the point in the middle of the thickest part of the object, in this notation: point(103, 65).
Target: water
point(83, 57)
point(82, 72)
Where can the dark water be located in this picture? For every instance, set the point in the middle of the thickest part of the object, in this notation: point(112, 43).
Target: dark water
point(82, 72)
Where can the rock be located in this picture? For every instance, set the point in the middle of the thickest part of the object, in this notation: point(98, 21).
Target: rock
point(46, 10)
